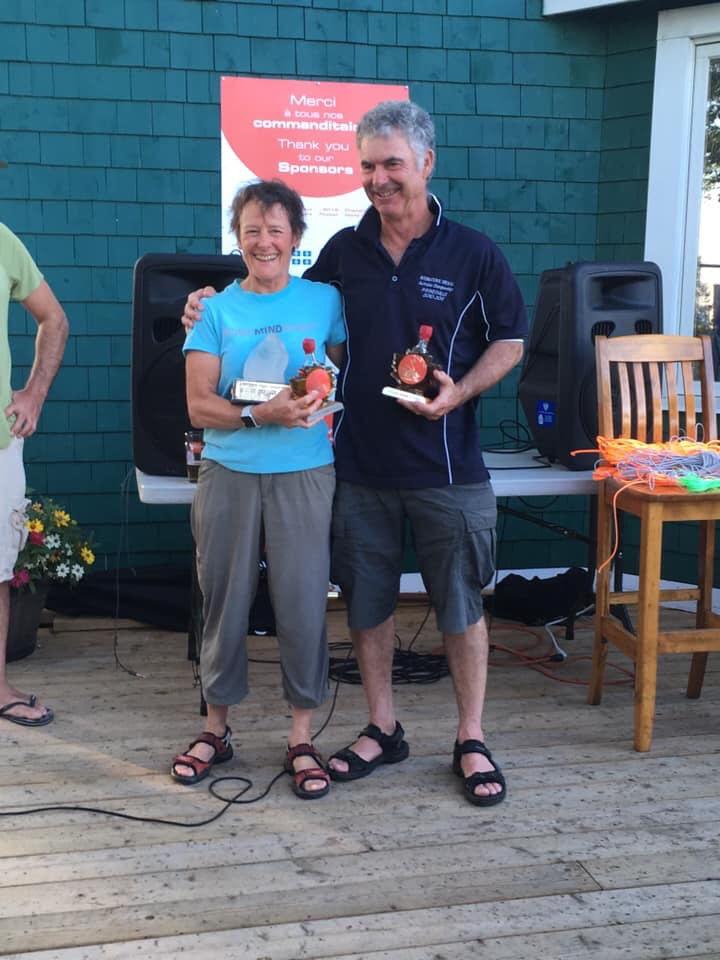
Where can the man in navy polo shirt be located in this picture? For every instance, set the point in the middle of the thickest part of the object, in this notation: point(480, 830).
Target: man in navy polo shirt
point(403, 266)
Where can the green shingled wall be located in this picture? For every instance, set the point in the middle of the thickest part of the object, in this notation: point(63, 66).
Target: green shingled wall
point(625, 140)
point(109, 121)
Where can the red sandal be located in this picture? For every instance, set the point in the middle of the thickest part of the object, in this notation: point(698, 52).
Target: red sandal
point(201, 768)
point(300, 777)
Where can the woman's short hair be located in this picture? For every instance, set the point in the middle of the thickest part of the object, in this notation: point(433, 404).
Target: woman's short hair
point(267, 193)
point(399, 116)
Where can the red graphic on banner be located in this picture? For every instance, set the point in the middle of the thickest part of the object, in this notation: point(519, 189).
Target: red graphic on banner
point(301, 131)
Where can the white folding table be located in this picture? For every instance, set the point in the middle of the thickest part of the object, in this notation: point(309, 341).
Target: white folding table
point(513, 474)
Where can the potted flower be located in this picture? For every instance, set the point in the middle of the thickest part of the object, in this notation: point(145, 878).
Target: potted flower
point(56, 551)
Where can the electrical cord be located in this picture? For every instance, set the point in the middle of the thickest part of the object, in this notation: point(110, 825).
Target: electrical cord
point(518, 441)
point(191, 824)
point(123, 536)
point(543, 662)
point(212, 790)
point(74, 808)
point(538, 507)
point(421, 627)
point(408, 665)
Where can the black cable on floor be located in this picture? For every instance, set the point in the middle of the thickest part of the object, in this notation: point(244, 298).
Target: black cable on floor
point(159, 820)
point(408, 667)
point(227, 801)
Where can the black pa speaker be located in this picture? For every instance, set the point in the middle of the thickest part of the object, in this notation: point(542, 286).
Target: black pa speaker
point(557, 387)
point(159, 413)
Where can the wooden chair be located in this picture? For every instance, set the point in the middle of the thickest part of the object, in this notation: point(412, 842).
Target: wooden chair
point(631, 372)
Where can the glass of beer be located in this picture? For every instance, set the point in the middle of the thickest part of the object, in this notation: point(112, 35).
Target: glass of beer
point(193, 453)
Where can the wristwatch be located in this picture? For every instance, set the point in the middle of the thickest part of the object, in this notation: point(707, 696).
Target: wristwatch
point(247, 418)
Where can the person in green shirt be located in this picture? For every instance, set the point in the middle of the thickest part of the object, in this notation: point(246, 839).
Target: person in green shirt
point(20, 411)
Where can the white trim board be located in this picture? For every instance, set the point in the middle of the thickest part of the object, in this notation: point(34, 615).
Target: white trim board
point(411, 583)
point(630, 582)
point(551, 7)
point(679, 33)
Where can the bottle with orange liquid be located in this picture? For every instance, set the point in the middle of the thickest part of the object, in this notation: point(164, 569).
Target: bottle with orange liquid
point(413, 371)
point(316, 376)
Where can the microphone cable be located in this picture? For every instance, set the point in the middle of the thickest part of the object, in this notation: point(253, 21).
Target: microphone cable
point(234, 800)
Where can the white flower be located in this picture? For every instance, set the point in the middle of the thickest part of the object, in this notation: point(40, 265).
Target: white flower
point(52, 541)
point(77, 571)
point(61, 571)
point(68, 550)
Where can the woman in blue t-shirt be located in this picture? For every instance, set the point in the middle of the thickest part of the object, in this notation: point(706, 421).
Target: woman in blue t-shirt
point(267, 476)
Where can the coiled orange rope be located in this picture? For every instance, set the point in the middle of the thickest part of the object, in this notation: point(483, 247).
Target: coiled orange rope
point(682, 463)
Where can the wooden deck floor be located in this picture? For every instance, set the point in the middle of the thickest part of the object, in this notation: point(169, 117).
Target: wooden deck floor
point(598, 852)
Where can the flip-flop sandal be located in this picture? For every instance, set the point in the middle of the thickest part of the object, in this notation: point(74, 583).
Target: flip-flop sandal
point(26, 721)
point(300, 777)
point(393, 746)
point(478, 779)
point(201, 768)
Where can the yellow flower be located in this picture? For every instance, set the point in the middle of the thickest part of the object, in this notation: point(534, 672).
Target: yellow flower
point(87, 555)
point(37, 507)
point(35, 526)
point(61, 518)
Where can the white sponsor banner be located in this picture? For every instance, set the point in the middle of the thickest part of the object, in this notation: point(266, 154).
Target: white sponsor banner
point(302, 132)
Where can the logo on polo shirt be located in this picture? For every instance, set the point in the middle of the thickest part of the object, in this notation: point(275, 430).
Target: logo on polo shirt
point(435, 288)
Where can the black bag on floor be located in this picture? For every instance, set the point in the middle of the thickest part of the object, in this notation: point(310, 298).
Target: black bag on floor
point(540, 600)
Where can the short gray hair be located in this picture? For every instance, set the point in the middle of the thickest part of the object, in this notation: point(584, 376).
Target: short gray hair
point(399, 116)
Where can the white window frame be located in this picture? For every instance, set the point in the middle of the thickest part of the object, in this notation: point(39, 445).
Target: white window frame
point(674, 181)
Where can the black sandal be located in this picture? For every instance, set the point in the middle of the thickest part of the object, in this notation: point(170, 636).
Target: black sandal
point(478, 779)
point(201, 768)
point(394, 749)
point(26, 721)
point(300, 777)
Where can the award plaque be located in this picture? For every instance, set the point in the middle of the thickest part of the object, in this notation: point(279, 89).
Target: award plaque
point(313, 375)
point(254, 391)
point(413, 372)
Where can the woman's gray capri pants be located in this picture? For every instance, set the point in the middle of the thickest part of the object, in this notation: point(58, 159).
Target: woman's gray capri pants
point(230, 514)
